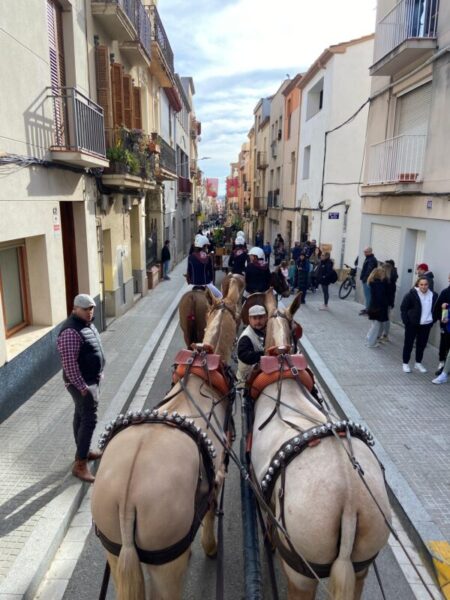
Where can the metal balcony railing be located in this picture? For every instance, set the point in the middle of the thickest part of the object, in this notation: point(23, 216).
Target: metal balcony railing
point(78, 122)
point(405, 21)
point(167, 156)
point(159, 35)
point(184, 185)
point(138, 17)
point(261, 159)
point(397, 160)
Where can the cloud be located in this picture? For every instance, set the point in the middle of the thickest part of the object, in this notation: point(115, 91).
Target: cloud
point(238, 51)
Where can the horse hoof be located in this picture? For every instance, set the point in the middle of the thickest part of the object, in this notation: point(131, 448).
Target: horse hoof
point(212, 554)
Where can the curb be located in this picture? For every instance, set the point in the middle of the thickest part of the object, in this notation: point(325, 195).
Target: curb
point(36, 556)
point(425, 534)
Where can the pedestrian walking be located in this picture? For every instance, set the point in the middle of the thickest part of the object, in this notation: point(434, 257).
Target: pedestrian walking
point(378, 307)
point(267, 249)
point(303, 272)
point(391, 278)
point(441, 314)
point(292, 275)
point(83, 361)
point(314, 260)
point(278, 250)
point(370, 263)
point(325, 277)
point(418, 317)
point(165, 259)
point(295, 251)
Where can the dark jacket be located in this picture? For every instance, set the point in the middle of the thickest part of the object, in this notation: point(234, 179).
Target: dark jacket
point(200, 269)
point(257, 278)
point(443, 298)
point(392, 287)
point(430, 276)
point(302, 273)
point(379, 300)
point(246, 352)
point(369, 265)
point(165, 254)
point(91, 358)
point(238, 261)
point(411, 308)
point(295, 252)
point(324, 270)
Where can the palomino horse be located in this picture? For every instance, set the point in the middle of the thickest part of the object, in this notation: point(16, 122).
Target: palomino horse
point(301, 460)
point(194, 306)
point(154, 482)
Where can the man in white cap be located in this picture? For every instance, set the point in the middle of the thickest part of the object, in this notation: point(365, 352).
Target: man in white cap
point(251, 343)
point(200, 271)
point(83, 361)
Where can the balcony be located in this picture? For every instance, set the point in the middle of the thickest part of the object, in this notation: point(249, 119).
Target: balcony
point(406, 34)
point(270, 199)
point(78, 128)
point(261, 159)
point(166, 165)
point(132, 161)
point(162, 56)
point(398, 160)
point(184, 186)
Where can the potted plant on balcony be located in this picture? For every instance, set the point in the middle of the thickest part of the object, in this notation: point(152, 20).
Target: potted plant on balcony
point(117, 160)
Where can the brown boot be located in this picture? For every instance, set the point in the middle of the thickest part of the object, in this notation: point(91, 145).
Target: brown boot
point(80, 469)
point(94, 454)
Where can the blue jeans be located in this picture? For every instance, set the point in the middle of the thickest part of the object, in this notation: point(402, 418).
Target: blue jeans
point(373, 333)
point(84, 418)
point(166, 267)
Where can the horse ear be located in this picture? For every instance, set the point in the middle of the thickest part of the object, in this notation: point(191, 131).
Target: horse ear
point(294, 306)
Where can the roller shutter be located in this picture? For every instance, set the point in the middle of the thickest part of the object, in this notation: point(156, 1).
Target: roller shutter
point(385, 242)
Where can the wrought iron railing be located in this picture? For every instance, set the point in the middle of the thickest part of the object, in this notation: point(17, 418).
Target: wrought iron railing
point(139, 18)
point(399, 159)
point(78, 122)
point(184, 185)
point(159, 35)
point(406, 20)
point(261, 159)
point(167, 156)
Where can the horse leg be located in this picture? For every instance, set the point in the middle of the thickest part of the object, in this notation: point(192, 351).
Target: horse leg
point(359, 584)
point(166, 581)
point(208, 538)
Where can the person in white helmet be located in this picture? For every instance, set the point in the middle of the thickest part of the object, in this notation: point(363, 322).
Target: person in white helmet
point(257, 272)
point(239, 257)
point(200, 267)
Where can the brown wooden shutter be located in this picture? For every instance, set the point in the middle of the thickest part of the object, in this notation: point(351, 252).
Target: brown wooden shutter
point(104, 89)
point(128, 101)
point(117, 94)
point(137, 113)
point(57, 69)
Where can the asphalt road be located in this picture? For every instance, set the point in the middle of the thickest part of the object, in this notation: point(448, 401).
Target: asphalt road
point(201, 577)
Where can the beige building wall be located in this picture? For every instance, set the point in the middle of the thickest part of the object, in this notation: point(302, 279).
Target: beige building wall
point(409, 220)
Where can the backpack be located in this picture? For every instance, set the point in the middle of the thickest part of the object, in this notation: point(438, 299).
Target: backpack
point(333, 276)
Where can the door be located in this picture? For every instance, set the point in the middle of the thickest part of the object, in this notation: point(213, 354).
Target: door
point(69, 253)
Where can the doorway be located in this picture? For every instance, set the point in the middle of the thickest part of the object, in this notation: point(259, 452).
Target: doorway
point(69, 253)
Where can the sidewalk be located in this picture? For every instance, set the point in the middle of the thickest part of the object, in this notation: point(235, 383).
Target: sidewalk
point(408, 415)
point(38, 495)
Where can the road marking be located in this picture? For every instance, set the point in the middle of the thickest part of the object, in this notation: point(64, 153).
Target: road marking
point(57, 578)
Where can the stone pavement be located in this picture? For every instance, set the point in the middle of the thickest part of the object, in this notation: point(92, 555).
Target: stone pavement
point(38, 495)
point(408, 415)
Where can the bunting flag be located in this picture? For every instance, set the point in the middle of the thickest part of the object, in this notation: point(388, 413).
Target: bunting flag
point(212, 187)
point(232, 187)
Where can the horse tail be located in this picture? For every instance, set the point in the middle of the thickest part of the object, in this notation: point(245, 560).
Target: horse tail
point(342, 576)
point(130, 579)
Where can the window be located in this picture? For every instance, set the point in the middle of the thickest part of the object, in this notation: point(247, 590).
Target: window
point(289, 118)
point(292, 168)
point(314, 101)
point(13, 288)
point(412, 111)
point(306, 159)
point(280, 129)
point(57, 67)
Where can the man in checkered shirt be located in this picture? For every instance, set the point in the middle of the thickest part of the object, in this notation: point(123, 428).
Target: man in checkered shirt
point(83, 361)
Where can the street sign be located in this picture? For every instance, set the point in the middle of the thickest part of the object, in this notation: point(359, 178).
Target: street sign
point(333, 215)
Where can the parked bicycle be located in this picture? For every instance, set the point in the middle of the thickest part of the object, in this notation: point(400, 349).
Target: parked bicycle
point(349, 283)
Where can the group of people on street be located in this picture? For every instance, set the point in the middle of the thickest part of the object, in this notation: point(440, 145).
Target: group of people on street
point(420, 308)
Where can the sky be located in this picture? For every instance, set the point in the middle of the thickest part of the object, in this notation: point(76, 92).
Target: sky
point(238, 51)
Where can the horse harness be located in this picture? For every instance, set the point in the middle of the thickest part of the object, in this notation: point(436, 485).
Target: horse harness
point(216, 374)
point(295, 367)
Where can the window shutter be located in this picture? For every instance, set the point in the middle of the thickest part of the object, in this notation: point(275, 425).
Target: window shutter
point(57, 70)
point(137, 114)
point(128, 101)
point(413, 111)
point(104, 89)
point(117, 93)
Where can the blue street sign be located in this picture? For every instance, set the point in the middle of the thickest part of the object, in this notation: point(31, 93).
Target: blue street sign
point(333, 215)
